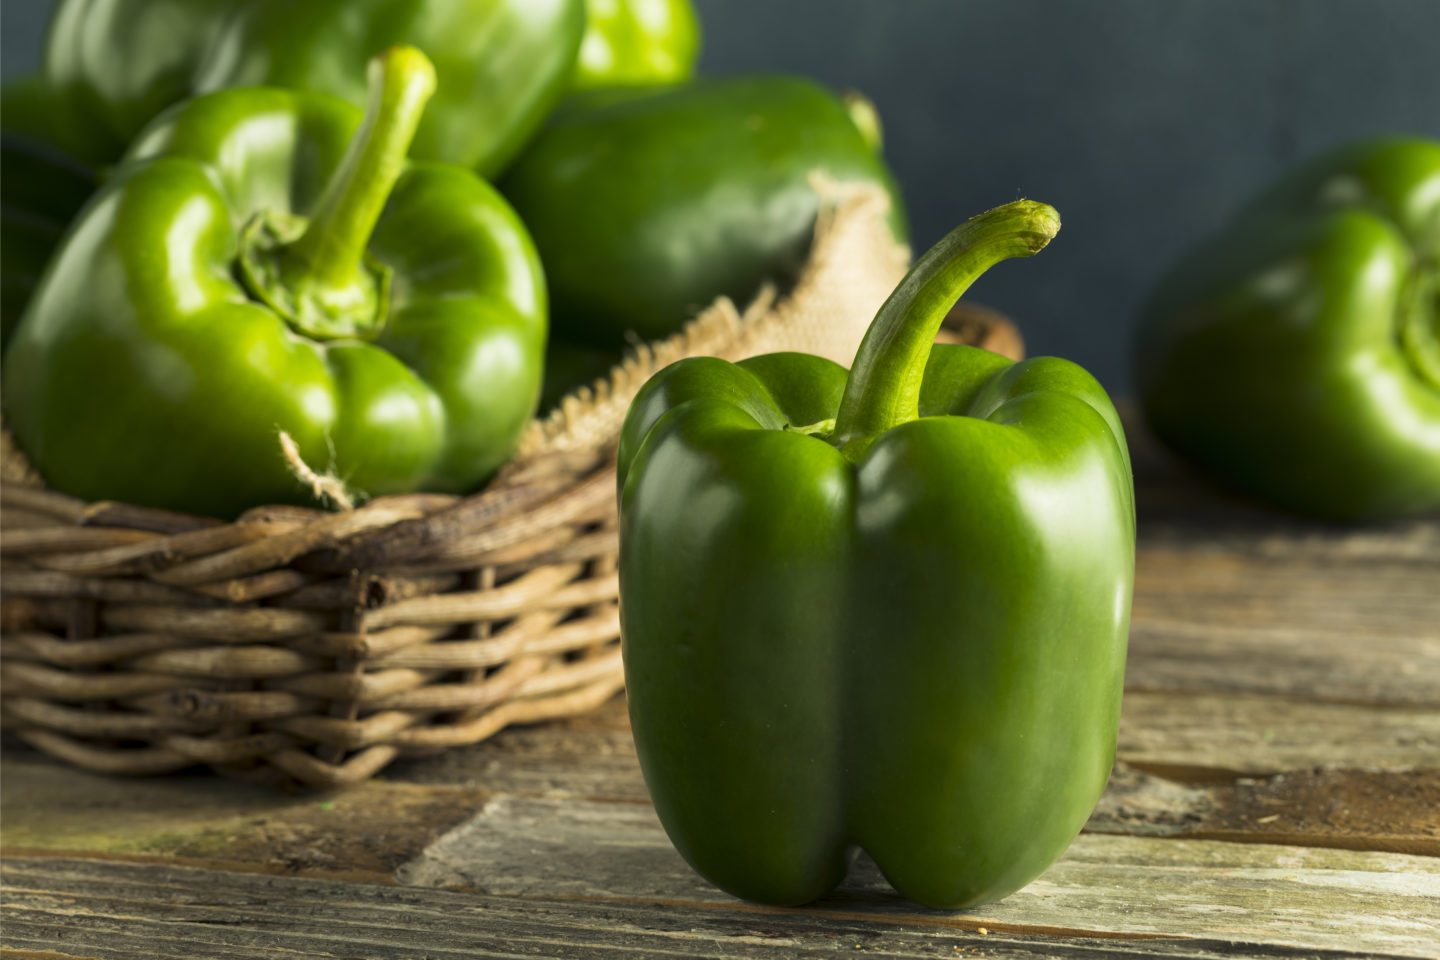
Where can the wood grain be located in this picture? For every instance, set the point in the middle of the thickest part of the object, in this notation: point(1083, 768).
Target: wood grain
point(1239, 734)
point(1274, 894)
point(1358, 630)
point(124, 910)
point(362, 833)
point(1344, 809)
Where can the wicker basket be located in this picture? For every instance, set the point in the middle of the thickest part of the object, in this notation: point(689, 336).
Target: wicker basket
point(313, 647)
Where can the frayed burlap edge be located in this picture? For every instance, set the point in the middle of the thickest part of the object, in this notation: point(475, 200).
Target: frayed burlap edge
point(14, 467)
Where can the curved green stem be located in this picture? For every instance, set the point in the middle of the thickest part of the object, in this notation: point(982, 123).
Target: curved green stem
point(330, 251)
point(883, 390)
point(317, 274)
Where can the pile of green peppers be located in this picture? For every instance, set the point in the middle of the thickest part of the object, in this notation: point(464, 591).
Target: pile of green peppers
point(386, 314)
point(220, 227)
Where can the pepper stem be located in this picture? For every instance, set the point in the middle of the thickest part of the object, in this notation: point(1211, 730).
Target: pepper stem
point(330, 251)
point(883, 390)
point(317, 274)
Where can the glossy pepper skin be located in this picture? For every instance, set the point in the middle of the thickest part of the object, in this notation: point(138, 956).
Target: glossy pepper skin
point(264, 261)
point(501, 64)
point(1296, 356)
point(646, 205)
point(637, 43)
point(888, 611)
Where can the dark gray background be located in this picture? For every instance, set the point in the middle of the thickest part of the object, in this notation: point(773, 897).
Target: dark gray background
point(1144, 121)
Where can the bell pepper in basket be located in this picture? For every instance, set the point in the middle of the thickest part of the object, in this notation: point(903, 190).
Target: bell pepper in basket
point(502, 64)
point(1296, 357)
point(630, 43)
point(886, 610)
point(647, 204)
point(41, 190)
point(265, 261)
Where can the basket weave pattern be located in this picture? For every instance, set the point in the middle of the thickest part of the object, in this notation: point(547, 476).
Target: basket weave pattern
point(310, 646)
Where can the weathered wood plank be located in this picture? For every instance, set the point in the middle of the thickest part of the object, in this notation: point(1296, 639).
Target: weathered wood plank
point(1306, 760)
point(1230, 596)
point(1359, 777)
point(1229, 733)
point(1250, 734)
point(1345, 809)
point(1254, 769)
point(522, 846)
point(121, 910)
point(1219, 620)
point(364, 833)
point(590, 756)
point(1226, 619)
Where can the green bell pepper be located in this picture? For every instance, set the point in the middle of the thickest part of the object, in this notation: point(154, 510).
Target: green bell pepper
point(502, 64)
point(887, 611)
point(1296, 357)
point(41, 190)
point(265, 261)
point(637, 43)
point(30, 107)
point(647, 204)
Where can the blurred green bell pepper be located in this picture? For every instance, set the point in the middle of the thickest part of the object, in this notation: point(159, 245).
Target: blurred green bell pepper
point(886, 611)
point(264, 261)
point(647, 204)
point(501, 63)
point(1296, 356)
point(637, 43)
point(31, 108)
point(41, 190)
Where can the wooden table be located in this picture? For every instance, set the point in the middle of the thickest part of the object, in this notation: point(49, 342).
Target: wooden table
point(1277, 794)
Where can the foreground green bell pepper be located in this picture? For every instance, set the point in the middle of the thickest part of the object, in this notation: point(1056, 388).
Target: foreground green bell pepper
point(887, 611)
point(1296, 357)
point(265, 262)
point(502, 64)
point(648, 204)
point(637, 43)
